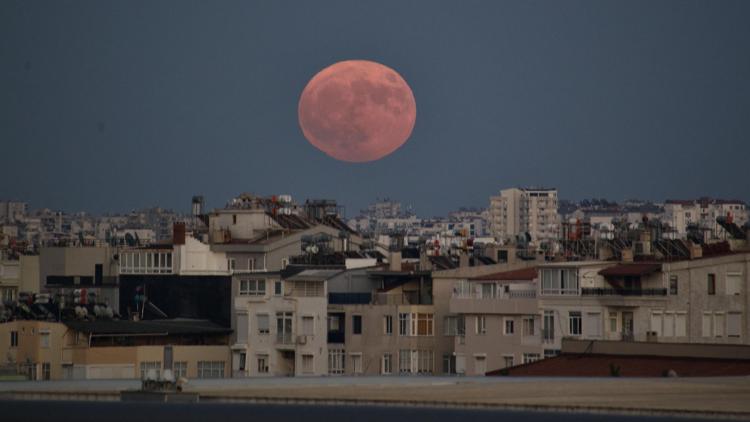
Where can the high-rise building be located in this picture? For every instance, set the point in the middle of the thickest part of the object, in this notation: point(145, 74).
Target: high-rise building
point(517, 211)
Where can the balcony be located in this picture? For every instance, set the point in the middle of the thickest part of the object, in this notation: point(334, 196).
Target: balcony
point(517, 302)
point(285, 340)
point(596, 291)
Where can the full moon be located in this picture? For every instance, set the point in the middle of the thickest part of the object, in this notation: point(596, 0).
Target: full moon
point(357, 111)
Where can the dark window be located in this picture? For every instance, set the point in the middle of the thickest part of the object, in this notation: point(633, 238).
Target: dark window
point(712, 284)
point(356, 324)
point(673, 285)
point(14, 339)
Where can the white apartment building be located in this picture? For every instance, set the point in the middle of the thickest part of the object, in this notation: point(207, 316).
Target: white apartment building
point(517, 211)
point(702, 213)
point(280, 324)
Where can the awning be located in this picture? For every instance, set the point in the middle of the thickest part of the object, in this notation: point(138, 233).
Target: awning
point(630, 270)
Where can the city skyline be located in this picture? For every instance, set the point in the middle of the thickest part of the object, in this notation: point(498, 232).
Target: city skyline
point(110, 107)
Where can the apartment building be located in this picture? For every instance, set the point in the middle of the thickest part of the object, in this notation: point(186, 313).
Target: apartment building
point(520, 211)
point(702, 214)
point(280, 323)
point(702, 300)
point(114, 349)
point(183, 278)
point(496, 322)
point(382, 321)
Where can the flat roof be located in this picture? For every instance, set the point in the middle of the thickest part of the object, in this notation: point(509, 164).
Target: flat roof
point(149, 327)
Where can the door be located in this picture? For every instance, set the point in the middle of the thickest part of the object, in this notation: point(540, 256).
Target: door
point(627, 326)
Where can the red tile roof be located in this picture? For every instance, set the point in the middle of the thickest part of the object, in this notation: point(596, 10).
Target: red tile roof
point(635, 269)
point(522, 274)
point(601, 365)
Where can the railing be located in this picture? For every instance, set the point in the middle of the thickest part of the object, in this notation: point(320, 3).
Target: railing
point(512, 294)
point(627, 336)
point(284, 338)
point(595, 291)
point(349, 298)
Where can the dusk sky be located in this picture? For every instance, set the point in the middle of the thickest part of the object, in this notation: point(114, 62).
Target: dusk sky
point(114, 105)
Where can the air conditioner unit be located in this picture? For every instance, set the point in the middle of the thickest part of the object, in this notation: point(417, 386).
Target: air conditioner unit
point(301, 339)
point(652, 336)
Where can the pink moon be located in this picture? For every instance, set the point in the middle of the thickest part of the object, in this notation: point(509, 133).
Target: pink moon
point(357, 111)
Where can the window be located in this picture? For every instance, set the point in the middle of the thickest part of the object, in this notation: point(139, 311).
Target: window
point(734, 324)
point(480, 365)
point(46, 371)
point(528, 326)
point(357, 363)
point(712, 284)
point(669, 318)
point(252, 287)
point(481, 325)
point(262, 364)
point(388, 325)
point(613, 322)
point(308, 364)
point(574, 323)
point(356, 324)
point(308, 325)
point(425, 361)
point(425, 325)
point(44, 340)
point(656, 322)
point(336, 362)
point(488, 291)
point(147, 366)
point(263, 324)
point(284, 262)
point(550, 353)
point(706, 325)
point(243, 361)
point(387, 367)
point(680, 324)
point(234, 218)
point(179, 369)
point(210, 369)
point(450, 325)
point(507, 361)
point(14, 339)
point(719, 324)
point(508, 326)
point(231, 264)
point(548, 331)
point(559, 281)
point(404, 361)
point(593, 324)
point(734, 284)
point(672, 284)
point(278, 288)
point(403, 324)
point(530, 357)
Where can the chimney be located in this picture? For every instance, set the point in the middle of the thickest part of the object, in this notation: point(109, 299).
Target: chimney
point(178, 233)
point(394, 261)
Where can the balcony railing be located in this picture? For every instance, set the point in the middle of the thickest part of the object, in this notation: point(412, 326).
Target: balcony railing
point(595, 291)
point(512, 294)
point(284, 338)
